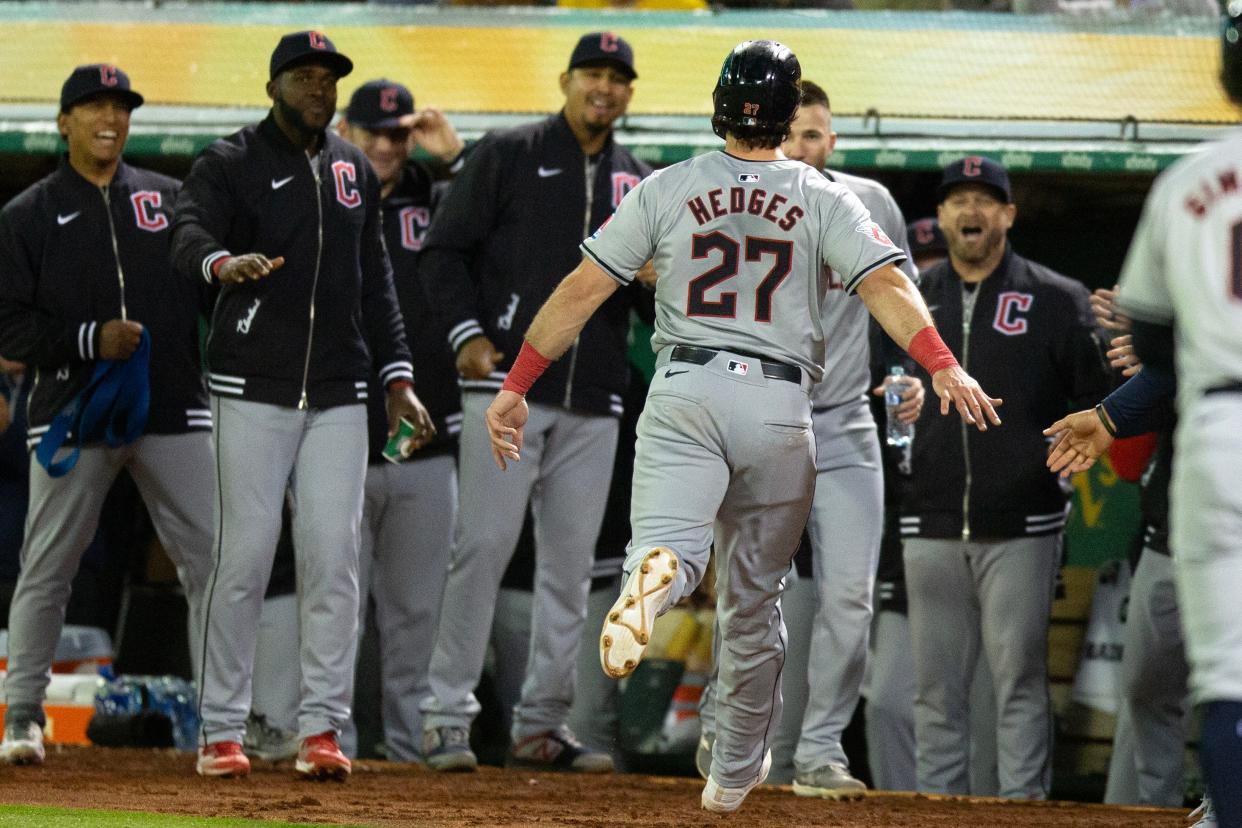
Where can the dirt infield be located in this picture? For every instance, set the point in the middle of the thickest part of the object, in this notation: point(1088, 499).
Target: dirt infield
point(384, 794)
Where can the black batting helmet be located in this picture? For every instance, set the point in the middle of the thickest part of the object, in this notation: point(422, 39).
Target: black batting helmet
point(758, 91)
point(1231, 51)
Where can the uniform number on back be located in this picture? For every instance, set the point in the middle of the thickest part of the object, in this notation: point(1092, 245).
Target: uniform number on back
point(756, 249)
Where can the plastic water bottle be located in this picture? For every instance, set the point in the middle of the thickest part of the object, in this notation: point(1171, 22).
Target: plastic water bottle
point(897, 433)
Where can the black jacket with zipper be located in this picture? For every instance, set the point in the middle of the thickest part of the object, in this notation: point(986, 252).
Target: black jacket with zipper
point(1032, 341)
point(73, 256)
point(298, 337)
point(506, 235)
point(407, 214)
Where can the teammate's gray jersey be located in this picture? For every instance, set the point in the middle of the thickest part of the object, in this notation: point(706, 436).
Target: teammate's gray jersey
point(1185, 265)
point(727, 235)
point(847, 369)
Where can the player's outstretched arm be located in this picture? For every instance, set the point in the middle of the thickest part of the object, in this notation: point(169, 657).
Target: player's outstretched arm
point(1078, 441)
point(899, 308)
point(553, 330)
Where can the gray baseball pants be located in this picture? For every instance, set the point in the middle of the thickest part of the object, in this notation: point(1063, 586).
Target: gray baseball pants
point(996, 597)
point(890, 688)
point(320, 457)
point(564, 474)
point(728, 458)
point(408, 512)
point(175, 475)
point(1148, 763)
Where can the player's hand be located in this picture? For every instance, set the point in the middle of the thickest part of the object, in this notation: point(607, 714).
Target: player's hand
point(1077, 442)
point(911, 398)
point(957, 388)
point(403, 402)
point(647, 275)
point(1122, 356)
point(478, 358)
point(247, 267)
point(119, 338)
point(433, 132)
point(506, 417)
point(1103, 305)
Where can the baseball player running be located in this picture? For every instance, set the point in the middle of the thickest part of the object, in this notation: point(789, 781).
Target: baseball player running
point(1182, 282)
point(725, 450)
point(84, 277)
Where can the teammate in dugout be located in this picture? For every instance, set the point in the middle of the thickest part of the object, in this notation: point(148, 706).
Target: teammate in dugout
point(740, 239)
point(84, 276)
point(827, 608)
point(1182, 289)
point(505, 233)
point(409, 507)
point(983, 520)
point(286, 217)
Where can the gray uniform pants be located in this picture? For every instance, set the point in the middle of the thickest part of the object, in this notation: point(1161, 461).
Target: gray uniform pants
point(994, 595)
point(847, 521)
point(175, 475)
point(890, 689)
point(728, 458)
point(593, 718)
point(564, 474)
point(320, 457)
point(1148, 762)
point(408, 513)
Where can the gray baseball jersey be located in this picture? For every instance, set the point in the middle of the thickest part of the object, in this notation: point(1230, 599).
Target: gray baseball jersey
point(847, 370)
point(725, 235)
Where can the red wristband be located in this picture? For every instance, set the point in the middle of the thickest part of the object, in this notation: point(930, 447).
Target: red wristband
point(400, 383)
point(217, 264)
point(526, 369)
point(929, 350)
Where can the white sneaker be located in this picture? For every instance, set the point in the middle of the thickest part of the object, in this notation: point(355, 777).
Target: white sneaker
point(23, 744)
point(722, 800)
point(627, 629)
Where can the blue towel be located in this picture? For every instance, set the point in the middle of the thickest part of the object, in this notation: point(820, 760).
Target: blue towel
point(113, 405)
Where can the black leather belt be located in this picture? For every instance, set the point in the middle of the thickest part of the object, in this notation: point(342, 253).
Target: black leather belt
point(701, 356)
point(1231, 388)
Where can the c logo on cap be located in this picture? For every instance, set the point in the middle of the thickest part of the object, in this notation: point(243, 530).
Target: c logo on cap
point(608, 42)
point(972, 166)
point(318, 41)
point(388, 99)
point(107, 75)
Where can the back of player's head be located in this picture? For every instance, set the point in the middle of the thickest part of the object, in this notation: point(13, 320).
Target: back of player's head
point(1231, 51)
point(757, 93)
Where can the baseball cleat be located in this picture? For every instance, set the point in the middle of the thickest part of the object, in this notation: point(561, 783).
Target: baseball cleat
point(627, 629)
point(557, 750)
point(222, 759)
point(832, 781)
point(23, 744)
point(447, 748)
point(320, 758)
point(721, 800)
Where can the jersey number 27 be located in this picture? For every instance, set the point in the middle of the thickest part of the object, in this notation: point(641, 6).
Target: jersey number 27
point(756, 248)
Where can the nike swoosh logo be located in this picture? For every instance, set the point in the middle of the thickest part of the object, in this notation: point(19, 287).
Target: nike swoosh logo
point(672, 373)
point(63, 220)
point(276, 185)
point(544, 172)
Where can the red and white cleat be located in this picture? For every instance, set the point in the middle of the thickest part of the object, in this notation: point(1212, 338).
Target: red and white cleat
point(320, 758)
point(222, 759)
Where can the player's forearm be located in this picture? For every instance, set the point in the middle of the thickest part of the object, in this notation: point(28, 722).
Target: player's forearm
point(567, 310)
point(895, 303)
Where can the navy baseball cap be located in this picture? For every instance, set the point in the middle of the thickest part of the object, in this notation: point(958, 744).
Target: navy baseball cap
point(924, 236)
point(604, 47)
point(379, 104)
point(97, 79)
point(308, 47)
point(976, 169)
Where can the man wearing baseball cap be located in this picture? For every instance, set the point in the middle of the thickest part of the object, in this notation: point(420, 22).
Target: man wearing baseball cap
point(983, 519)
point(409, 507)
point(86, 288)
point(506, 233)
point(285, 217)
